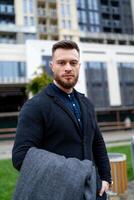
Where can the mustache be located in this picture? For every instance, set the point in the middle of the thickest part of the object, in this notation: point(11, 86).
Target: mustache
point(64, 75)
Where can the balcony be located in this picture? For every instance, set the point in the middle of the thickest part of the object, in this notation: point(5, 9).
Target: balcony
point(42, 29)
point(105, 9)
point(12, 28)
point(106, 23)
point(53, 13)
point(42, 12)
point(115, 10)
point(7, 41)
point(12, 80)
point(53, 30)
point(116, 23)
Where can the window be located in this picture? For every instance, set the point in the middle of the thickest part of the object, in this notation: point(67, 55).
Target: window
point(29, 36)
point(97, 84)
point(90, 4)
point(3, 8)
point(10, 9)
point(83, 27)
point(126, 78)
point(32, 21)
point(12, 69)
point(62, 10)
point(66, 24)
point(31, 6)
point(82, 16)
point(93, 4)
point(68, 10)
point(94, 18)
point(95, 29)
point(26, 21)
point(25, 6)
point(81, 4)
point(63, 24)
point(65, 10)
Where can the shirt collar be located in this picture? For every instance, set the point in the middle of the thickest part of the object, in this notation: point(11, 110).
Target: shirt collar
point(61, 92)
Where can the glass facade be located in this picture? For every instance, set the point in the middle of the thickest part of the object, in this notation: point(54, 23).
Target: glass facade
point(88, 15)
point(105, 16)
point(126, 78)
point(12, 69)
point(97, 84)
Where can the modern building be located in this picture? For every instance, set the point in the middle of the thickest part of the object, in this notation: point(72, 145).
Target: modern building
point(106, 76)
point(98, 21)
point(12, 77)
point(47, 20)
point(105, 32)
point(17, 21)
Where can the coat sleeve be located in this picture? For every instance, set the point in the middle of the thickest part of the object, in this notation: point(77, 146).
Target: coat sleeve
point(100, 154)
point(29, 132)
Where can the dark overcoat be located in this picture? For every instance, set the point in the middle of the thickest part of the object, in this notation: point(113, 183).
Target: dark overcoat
point(46, 123)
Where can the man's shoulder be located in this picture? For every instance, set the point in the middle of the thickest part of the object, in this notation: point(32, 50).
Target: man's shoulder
point(37, 99)
point(86, 99)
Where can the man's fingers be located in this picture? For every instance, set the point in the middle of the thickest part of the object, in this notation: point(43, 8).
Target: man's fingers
point(101, 191)
point(104, 188)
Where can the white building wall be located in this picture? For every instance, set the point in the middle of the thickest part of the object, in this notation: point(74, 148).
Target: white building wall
point(33, 51)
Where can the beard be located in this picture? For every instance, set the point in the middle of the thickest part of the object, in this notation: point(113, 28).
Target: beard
point(67, 84)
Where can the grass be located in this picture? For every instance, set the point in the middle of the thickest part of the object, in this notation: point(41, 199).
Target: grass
point(8, 176)
point(125, 150)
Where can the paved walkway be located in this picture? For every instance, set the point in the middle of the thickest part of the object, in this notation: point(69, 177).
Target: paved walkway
point(111, 139)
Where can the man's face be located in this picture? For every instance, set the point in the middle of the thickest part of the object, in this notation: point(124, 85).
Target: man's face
point(65, 66)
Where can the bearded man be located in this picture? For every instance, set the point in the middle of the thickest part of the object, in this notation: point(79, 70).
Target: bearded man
point(61, 120)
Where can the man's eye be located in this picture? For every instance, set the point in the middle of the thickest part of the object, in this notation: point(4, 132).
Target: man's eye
point(73, 63)
point(61, 62)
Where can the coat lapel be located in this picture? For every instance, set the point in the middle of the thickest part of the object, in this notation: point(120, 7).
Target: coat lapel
point(70, 114)
point(86, 115)
point(49, 91)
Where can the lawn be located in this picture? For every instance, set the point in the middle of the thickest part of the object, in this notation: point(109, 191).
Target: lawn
point(8, 175)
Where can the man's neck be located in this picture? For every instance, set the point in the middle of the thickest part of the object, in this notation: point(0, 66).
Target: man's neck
point(68, 91)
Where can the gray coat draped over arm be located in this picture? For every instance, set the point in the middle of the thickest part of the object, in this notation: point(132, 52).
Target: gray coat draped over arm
point(48, 176)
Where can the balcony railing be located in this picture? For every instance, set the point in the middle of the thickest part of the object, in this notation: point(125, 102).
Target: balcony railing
point(42, 28)
point(6, 27)
point(8, 41)
point(53, 13)
point(52, 29)
point(42, 12)
point(13, 80)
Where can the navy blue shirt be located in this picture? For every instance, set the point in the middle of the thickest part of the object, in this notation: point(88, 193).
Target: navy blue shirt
point(70, 101)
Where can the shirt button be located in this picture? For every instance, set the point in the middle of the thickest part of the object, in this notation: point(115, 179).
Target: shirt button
point(73, 104)
point(79, 120)
point(69, 95)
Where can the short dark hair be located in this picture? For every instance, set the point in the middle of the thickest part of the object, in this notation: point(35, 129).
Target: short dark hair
point(65, 44)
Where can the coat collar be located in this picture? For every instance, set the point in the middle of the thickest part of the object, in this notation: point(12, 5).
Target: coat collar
point(83, 106)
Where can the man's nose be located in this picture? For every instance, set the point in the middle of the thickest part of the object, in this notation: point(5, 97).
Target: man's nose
point(68, 67)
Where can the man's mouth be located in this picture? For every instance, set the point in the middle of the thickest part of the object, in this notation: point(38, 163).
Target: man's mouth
point(68, 76)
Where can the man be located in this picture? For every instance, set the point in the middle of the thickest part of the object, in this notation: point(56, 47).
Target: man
point(61, 120)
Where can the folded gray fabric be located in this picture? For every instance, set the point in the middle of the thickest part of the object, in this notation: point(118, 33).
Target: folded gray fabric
point(48, 176)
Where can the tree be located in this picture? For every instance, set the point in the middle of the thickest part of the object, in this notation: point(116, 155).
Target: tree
point(41, 79)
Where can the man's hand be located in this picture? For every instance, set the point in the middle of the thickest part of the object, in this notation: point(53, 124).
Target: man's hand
point(104, 188)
